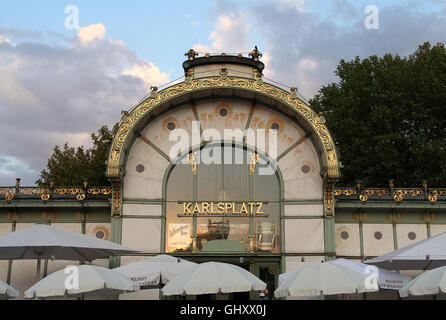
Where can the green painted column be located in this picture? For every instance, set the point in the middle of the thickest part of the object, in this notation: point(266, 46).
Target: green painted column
point(329, 222)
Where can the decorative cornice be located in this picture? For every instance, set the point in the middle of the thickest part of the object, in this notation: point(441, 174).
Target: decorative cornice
point(397, 195)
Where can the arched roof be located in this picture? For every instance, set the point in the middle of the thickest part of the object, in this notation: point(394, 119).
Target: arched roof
point(221, 87)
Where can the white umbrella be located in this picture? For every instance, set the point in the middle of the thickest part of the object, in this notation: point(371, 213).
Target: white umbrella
point(423, 255)
point(156, 270)
point(324, 279)
point(6, 291)
point(83, 280)
point(212, 278)
point(43, 241)
point(48, 242)
point(431, 282)
point(386, 279)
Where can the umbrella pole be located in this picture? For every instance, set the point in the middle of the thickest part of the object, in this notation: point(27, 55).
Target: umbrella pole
point(38, 269)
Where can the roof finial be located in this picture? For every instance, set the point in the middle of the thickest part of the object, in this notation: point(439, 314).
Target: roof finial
point(255, 54)
point(191, 54)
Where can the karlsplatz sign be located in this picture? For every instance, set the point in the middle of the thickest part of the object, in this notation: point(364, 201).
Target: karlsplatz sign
point(223, 208)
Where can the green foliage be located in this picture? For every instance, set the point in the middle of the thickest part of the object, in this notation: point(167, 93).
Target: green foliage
point(389, 116)
point(69, 166)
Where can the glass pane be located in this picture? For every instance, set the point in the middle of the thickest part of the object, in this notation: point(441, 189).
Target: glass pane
point(218, 181)
point(178, 229)
point(267, 229)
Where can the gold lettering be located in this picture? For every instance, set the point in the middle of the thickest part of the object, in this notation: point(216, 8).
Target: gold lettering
point(234, 211)
point(259, 204)
point(205, 207)
point(251, 204)
point(228, 207)
point(196, 209)
point(221, 207)
point(243, 209)
point(212, 208)
point(186, 207)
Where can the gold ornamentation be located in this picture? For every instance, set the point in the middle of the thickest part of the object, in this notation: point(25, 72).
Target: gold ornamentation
point(116, 209)
point(142, 110)
point(192, 161)
point(329, 209)
point(72, 191)
point(80, 196)
point(191, 54)
point(96, 191)
point(9, 196)
point(45, 196)
point(6, 190)
point(345, 192)
point(399, 194)
point(253, 160)
point(363, 197)
point(32, 190)
point(255, 54)
point(366, 193)
point(434, 194)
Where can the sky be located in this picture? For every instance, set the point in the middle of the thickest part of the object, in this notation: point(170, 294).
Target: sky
point(69, 67)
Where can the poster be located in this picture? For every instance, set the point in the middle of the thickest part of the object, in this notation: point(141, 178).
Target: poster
point(179, 235)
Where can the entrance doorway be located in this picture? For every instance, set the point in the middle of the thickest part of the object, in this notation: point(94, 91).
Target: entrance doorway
point(267, 271)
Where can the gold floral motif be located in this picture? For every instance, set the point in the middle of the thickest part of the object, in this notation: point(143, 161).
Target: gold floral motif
point(376, 192)
point(434, 194)
point(345, 192)
point(116, 199)
point(228, 82)
point(363, 197)
point(32, 190)
point(96, 191)
point(80, 196)
point(399, 194)
point(45, 196)
point(7, 190)
point(68, 191)
point(9, 196)
point(329, 210)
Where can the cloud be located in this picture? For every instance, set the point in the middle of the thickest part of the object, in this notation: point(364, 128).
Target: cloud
point(4, 39)
point(292, 4)
point(149, 73)
point(56, 93)
point(90, 33)
point(231, 33)
point(304, 47)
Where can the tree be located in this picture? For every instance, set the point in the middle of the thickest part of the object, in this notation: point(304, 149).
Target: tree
point(69, 166)
point(388, 115)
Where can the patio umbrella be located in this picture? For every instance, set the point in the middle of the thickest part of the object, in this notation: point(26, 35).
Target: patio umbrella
point(212, 278)
point(386, 279)
point(423, 255)
point(48, 242)
point(6, 291)
point(431, 282)
point(324, 279)
point(83, 280)
point(155, 271)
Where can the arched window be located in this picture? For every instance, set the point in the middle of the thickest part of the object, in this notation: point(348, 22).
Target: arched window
point(223, 194)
